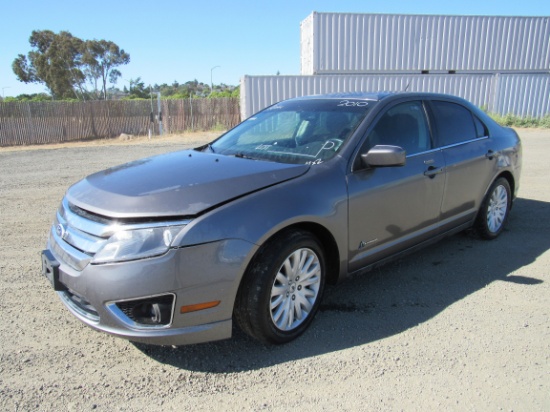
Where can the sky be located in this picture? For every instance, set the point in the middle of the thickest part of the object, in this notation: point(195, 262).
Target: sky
point(209, 40)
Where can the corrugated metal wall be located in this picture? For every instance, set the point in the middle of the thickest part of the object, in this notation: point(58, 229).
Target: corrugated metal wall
point(307, 38)
point(359, 43)
point(500, 63)
point(520, 94)
point(524, 95)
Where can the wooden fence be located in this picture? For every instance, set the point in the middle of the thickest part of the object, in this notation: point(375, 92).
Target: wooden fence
point(25, 123)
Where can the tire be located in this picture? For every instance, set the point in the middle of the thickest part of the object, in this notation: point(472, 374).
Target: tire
point(281, 291)
point(494, 210)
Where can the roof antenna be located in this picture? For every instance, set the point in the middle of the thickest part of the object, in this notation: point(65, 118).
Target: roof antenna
point(408, 84)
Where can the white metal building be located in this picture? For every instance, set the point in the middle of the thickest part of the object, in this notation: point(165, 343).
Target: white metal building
point(341, 43)
point(499, 63)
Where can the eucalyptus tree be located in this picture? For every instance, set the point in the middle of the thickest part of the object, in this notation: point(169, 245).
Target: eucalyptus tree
point(101, 59)
point(67, 65)
point(55, 61)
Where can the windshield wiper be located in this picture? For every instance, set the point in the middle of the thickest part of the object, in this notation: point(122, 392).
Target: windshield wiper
point(243, 156)
point(205, 147)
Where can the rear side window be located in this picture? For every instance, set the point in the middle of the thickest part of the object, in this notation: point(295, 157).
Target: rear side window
point(481, 129)
point(455, 123)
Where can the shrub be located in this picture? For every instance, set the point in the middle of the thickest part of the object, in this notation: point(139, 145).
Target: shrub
point(512, 120)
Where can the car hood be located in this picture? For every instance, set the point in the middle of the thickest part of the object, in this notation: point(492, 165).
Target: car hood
point(176, 184)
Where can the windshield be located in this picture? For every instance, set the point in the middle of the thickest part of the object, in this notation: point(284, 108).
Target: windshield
point(295, 131)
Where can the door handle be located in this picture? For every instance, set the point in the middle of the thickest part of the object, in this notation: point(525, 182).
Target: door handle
point(432, 171)
point(490, 155)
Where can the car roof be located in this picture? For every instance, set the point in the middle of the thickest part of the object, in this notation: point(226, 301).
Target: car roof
point(347, 95)
point(378, 96)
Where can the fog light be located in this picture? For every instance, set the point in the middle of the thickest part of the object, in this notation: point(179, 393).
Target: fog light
point(155, 311)
point(150, 313)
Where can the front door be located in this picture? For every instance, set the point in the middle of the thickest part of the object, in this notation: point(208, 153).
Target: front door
point(394, 208)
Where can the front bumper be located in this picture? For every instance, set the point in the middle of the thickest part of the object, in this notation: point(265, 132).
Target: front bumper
point(192, 275)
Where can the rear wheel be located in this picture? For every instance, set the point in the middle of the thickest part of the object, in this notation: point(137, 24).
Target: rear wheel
point(281, 291)
point(494, 210)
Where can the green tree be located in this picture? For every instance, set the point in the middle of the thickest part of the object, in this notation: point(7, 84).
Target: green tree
point(137, 89)
point(55, 61)
point(64, 64)
point(101, 57)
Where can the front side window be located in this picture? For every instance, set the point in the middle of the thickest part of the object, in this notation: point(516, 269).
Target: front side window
point(455, 124)
point(297, 131)
point(403, 125)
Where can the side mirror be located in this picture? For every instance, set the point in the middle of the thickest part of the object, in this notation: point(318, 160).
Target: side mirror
point(384, 156)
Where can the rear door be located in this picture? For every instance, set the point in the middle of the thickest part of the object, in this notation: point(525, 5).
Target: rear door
point(467, 151)
point(393, 208)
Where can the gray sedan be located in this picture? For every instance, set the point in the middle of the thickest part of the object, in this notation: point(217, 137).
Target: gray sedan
point(171, 249)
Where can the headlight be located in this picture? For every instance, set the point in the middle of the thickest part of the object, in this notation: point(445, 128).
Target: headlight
point(137, 244)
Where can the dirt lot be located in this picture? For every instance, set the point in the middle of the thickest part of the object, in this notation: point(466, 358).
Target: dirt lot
point(463, 325)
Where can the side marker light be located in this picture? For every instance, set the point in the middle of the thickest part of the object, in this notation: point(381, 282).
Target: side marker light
point(199, 306)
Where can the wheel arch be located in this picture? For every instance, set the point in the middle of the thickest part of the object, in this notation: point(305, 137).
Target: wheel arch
point(330, 247)
point(481, 223)
point(511, 181)
point(325, 237)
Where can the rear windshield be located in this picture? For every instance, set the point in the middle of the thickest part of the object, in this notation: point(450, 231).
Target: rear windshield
point(296, 131)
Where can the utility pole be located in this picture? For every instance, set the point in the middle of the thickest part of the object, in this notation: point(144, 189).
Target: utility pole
point(211, 82)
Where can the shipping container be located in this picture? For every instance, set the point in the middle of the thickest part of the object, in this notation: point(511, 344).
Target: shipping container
point(342, 43)
point(522, 94)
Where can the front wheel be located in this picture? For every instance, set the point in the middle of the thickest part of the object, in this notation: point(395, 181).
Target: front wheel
point(281, 291)
point(494, 210)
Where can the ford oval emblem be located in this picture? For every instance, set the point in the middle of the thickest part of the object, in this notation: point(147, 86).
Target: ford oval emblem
point(60, 230)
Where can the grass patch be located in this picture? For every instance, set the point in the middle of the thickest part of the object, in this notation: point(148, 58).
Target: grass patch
point(511, 120)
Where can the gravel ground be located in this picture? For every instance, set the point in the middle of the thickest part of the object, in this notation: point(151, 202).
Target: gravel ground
point(462, 325)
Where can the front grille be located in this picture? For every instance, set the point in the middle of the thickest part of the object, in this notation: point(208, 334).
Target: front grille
point(76, 239)
point(89, 215)
point(77, 235)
